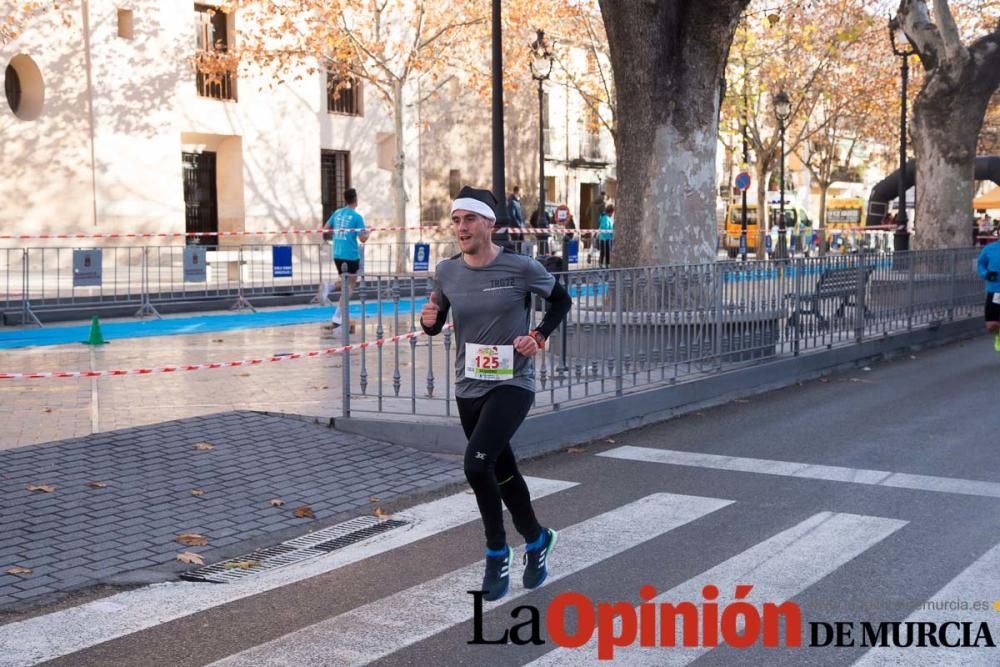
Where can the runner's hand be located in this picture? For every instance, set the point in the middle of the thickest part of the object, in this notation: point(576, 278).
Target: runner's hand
point(526, 345)
point(429, 314)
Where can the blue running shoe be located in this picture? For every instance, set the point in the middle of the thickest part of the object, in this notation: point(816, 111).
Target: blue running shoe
point(496, 581)
point(536, 560)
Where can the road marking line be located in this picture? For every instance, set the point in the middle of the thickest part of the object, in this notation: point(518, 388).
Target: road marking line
point(899, 480)
point(976, 583)
point(385, 626)
point(70, 630)
point(779, 568)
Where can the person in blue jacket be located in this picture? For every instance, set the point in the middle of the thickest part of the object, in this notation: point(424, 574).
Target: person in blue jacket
point(989, 270)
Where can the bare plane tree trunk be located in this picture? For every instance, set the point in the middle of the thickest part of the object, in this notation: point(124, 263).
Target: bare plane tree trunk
point(668, 59)
point(947, 117)
point(399, 178)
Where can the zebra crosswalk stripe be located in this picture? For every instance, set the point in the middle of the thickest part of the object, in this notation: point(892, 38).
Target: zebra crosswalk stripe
point(974, 585)
point(899, 480)
point(385, 626)
point(63, 632)
point(779, 568)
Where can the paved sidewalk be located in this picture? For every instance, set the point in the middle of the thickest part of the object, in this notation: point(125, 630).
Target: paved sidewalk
point(80, 533)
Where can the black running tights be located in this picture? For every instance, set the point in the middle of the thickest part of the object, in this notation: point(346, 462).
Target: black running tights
point(490, 421)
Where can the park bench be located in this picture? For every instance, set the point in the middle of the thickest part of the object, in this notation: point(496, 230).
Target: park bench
point(839, 285)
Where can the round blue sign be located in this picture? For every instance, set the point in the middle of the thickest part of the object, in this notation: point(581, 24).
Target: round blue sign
point(743, 181)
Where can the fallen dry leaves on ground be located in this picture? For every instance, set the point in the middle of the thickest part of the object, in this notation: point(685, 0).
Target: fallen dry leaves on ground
point(98, 485)
point(575, 450)
point(44, 488)
point(191, 558)
point(197, 492)
point(203, 446)
point(241, 564)
point(304, 512)
point(192, 539)
point(380, 515)
point(277, 502)
point(17, 569)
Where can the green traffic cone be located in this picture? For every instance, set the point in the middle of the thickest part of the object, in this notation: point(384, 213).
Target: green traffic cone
point(95, 338)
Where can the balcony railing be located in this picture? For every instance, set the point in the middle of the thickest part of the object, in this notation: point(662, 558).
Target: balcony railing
point(590, 147)
point(547, 140)
point(216, 86)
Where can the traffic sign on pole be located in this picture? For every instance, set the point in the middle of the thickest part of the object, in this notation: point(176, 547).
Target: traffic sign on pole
point(743, 181)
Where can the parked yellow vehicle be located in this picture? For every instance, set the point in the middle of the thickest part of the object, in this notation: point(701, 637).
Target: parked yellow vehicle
point(734, 226)
point(795, 218)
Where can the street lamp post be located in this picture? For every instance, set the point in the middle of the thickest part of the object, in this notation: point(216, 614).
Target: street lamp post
point(782, 110)
point(746, 163)
point(499, 187)
point(902, 48)
point(541, 68)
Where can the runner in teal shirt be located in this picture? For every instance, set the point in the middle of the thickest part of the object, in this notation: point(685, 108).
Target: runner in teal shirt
point(606, 235)
point(348, 228)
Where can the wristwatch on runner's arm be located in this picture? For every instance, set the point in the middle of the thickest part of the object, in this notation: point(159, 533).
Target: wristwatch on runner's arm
point(539, 338)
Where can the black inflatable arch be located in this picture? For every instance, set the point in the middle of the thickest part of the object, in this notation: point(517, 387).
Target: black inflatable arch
point(987, 168)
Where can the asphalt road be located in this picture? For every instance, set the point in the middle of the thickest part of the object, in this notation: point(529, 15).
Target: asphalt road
point(868, 496)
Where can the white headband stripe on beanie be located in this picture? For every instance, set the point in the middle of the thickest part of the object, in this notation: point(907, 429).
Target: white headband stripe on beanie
point(474, 205)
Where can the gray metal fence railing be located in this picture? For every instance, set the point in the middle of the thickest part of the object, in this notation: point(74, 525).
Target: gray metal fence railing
point(631, 329)
point(40, 279)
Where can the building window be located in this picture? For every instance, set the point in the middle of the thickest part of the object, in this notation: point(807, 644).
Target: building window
point(125, 24)
point(546, 128)
point(343, 95)
point(12, 86)
point(335, 178)
point(590, 144)
point(24, 88)
point(212, 40)
point(550, 189)
point(201, 199)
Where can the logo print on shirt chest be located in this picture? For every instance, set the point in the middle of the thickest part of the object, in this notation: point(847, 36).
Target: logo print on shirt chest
point(501, 284)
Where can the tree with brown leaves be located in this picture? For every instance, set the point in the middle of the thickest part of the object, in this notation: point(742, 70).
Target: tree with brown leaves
point(963, 74)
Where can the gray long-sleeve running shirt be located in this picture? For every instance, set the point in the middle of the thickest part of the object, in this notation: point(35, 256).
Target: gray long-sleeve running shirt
point(490, 307)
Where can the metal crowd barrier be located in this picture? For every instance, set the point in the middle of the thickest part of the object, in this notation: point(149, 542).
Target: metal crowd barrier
point(805, 244)
point(35, 280)
point(630, 329)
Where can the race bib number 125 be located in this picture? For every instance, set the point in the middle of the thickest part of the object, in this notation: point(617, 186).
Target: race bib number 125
point(489, 362)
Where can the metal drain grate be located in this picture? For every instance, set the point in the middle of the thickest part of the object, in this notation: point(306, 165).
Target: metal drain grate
point(333, 532)
point(295, 550)
point(358, 535)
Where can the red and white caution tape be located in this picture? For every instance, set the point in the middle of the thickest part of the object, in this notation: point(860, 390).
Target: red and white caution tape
point(213, 364)
point(272, 232)
point(174, 235)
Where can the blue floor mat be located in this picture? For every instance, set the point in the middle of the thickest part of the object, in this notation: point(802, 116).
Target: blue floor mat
point(198, 324)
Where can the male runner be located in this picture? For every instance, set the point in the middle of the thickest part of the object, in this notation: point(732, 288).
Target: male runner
point(989, 270)
point(489, 289)
point(348, 228)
